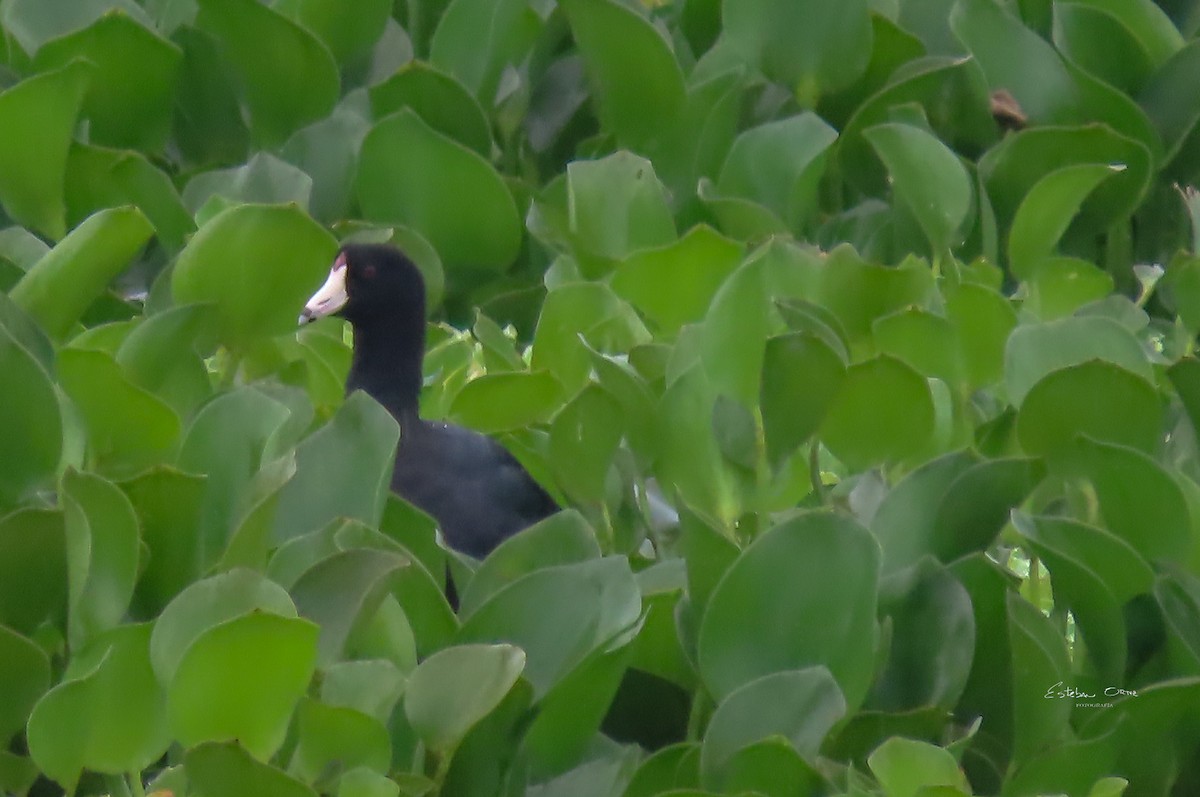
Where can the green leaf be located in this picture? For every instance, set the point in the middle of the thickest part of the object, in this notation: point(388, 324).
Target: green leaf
point(340, 593)
point(583, 438)
point(923, 340)
point(342, 470)
point(1117, 563)
point(636, 79)
point(779, 165)
point(1080, 589)
point(1145, 21)
point(883, 412)
point(128, 428)
point(336, 739)
point(799, 705)
point(227, 441)
point(348, 36)
point(906, 518)
point(1011, 169)
point(740, 218)
point(34, 22)
point(673, 285)
point(129, 101)
point(1179, 598)
point(978, 503)
point(1061, 285)
point(504, 401)
point(857, 291)
point(810, 47)
point(665, 769)
point(1109, 787)
point(372, 687)
point(25, 673)
point(1047, 89)
point(212, 127)
point(100, 178)
point(258, 264)
point(214, 695)
point(1140, 500)
point(168, 504)
point(1145, 728)
point(289, 77)
point(33, 569)
point(60, 287)
point(1185, 377)
point(688, 456)
point(327, 151)
point(108, 714)
point(570, 715)
point(425, 608)
point(809, 569)
point(1039, 663)
point(616, 206)
point(1047, 210)
point(37, 117)
point(932, 643)
point(1069, 767)
point(412, 174)
point(103, 550)
point(708, 552)
point(928, 178)
point(455, 688)
point(801, 375)
point(596, 600)
point(770, 766)
point(362, 782)
point(162, 354)
point(1169, 101)
point(904, 766)
point(226, 768)
point(263, 179)
point(442, 102)
point(1035, 350)
point(476, 40)
point(734, 335)
point(575, 317)
point(205, 604)
point(951, 93)
point(563, 538)
point(30, 424)
point(1098, 42)
point(1097, 399)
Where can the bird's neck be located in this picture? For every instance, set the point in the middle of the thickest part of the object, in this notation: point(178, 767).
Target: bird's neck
point(387, 365)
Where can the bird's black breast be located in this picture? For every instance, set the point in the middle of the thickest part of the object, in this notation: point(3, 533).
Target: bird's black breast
point(469, 483)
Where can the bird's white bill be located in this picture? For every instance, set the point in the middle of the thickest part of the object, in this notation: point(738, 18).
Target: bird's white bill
point(331, 296)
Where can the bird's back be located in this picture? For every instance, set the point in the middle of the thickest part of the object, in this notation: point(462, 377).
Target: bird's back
point(475, 489)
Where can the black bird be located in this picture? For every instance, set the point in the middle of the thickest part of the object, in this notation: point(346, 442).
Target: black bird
point(475, 489)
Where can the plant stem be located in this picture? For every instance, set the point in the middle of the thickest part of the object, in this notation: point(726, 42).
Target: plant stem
point(698, 717)
point(229, 368)
point(814, 471)
point(117, 786)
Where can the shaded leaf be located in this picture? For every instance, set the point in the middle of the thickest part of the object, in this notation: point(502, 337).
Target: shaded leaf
point(38, 119)
point(457, 687)
point(289, 77)
point(58, 289)
point(412, 174)
point(638, 83)
point(796, 572)
point(215, 696)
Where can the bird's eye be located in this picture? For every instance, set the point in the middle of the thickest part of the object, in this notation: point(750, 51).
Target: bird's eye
point(369, 271)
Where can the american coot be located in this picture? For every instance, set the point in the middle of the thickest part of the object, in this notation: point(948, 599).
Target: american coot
point(478, 493)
